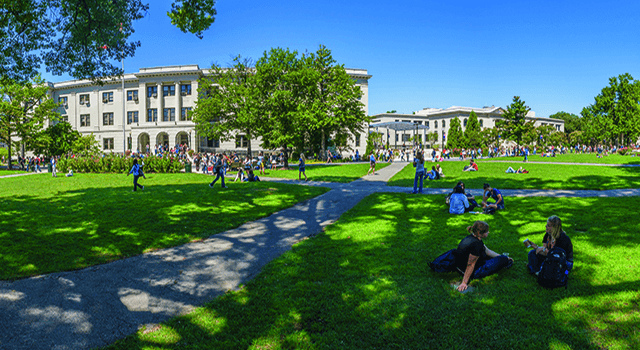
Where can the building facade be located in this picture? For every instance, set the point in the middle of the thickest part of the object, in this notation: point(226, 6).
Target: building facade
point(439, 120)
point(157, 105)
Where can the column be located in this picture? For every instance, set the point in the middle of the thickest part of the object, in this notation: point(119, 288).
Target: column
point(178, 102)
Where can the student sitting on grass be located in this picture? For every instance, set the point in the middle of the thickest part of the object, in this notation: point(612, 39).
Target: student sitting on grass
point(554, 237)
point(251, 177)
point(472, 202)
point(433, 174)
point(459, 204)
point(240, 175)
point(439, 170)
point(493, 193)
point(471, 167)
point(474, 260)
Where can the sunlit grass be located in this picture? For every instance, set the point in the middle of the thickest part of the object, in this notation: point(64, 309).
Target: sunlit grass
point(631, 158)
point(540, 176)
point(365, 284)
point(329, 173)
point(54, 224)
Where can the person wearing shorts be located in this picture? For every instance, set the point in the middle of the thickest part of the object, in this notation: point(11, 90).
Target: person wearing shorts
point(301, 165)
point(372, 162)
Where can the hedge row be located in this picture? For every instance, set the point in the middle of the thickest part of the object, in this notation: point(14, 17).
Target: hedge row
point(115, 164)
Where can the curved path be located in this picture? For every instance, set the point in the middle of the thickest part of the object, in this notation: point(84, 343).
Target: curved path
point(98, 305)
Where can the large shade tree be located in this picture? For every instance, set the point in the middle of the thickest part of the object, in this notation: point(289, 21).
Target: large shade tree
point(81, 38)
point(24, 109)
point(514, 124)
point(615, 115)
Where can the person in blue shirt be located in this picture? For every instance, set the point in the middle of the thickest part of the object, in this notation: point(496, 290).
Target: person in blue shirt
point(493, 193)
point(418, 163)
point(218, 168)
point(372, 162)
point(136, 170)
point(301, 168)
point(458, 202)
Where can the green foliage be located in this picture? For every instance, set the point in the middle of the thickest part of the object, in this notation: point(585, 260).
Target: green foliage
point(472, 134)
point(193, 16)
point(24, 109)
point(455, 138)
point(96, 218)
point(572, 122)
point(86, 146)
point(615, 115)
point(81, 38)
point(116, 164)
point(373, 141)
point(514, 124)
point(491, 136)
point(56, 140)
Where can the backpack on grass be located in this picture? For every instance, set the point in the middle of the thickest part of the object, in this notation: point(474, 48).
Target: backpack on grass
point(444, 263)
point(554, 272)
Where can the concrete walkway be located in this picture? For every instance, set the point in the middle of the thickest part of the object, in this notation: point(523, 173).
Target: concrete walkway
point(99, 305)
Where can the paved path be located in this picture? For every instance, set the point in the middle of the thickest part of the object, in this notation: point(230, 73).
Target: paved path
point(98, 305)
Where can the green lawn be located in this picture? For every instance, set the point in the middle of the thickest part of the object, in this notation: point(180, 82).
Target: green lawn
point(540, 176)
point(578, 158)
point(54, 224)
point(365, 284)
point(13, 172)
point(329, 173)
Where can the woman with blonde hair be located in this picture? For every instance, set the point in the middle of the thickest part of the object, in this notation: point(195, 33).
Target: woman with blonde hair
point(418, 163)
point(301, 164)
point(474, 260)
point(554, 237)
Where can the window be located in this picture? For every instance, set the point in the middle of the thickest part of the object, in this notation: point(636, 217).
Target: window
point(241, 141)
point(185, 89)
point(405, 137)
point(84, 99)
point(108, 143)
point(558, 127)
point(132, 117)
point(357, 140)
point(107, 118)
point(85, 120)
point(211, 143)
point(481, 123)
point(465, 122)
point(435, 124)
point(426, 124)
point(63, 101)
point(168, 90)
point(169, 115)
point(132, 95)
point(107, 97)
point(419, 122)
point(444, 124)
point(186, 113)
point(396, 137)
point(65, 118)
point(152, 91)
point(152, 115)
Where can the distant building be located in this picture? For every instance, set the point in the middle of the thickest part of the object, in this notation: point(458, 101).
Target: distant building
point(439, 120)
point(158, 102)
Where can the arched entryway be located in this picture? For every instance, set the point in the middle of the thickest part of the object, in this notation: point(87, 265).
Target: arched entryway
point(144, 143)
point(163, 140)
point(183, 138)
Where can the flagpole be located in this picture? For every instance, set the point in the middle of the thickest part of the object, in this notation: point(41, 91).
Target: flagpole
point(124, 133)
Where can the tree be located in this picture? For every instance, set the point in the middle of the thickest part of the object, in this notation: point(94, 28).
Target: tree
point(24, 108)
point(491, 136)
point(544, 132)
point(331, 101)
point(86, 146)
point(228, 102)
point(455, 139)
point(472, 136)
point(572, 122)
point(81, 37)
point(514, 123)
point(55, 140)
point(615, 115)
point(432, 137)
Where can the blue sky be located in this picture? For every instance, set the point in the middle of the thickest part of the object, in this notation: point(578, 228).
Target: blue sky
point(557, 55)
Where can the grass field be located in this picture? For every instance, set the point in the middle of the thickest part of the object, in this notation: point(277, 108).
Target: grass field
point(329, 173)
point(540, 176)
point(578, 158)
point(4, 172)
point(365, 284)
point(54, 224)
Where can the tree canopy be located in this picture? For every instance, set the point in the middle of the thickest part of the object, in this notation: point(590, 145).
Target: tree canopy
point(514, 124)
point(81, 37)
point(472, 135)
point(455, 138)
point(572, 122)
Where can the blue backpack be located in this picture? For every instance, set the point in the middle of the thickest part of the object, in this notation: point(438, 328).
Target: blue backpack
point(444, 263)
point(554, 272)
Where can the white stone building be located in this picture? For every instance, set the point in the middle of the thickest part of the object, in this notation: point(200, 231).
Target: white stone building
point(438, 120)
point(157, 102)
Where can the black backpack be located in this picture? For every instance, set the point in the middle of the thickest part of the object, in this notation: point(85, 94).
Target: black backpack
point(444, 263)
point(554, 272)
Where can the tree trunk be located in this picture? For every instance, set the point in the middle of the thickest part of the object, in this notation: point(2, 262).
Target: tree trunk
point(324, 152)
point(9, 148)
point(248, 144)
point(285, 154)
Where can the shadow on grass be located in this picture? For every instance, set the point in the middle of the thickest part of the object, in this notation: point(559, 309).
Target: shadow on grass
point(79, 228)
point(365, 283)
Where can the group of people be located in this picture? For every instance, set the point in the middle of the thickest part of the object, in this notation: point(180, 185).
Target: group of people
point(460, 201)
point(474, 260)
point(434, 174)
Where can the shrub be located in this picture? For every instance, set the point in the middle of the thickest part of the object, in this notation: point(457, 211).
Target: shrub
point(116, 164)
point(622, 151)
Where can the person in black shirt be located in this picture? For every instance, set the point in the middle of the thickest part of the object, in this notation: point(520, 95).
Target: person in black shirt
point(554, 237)
point(474, 260)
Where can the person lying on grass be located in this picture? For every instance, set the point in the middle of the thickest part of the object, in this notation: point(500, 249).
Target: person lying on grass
point(474, 260)
point(520, 170)
point(493, 193)
point(554, 237)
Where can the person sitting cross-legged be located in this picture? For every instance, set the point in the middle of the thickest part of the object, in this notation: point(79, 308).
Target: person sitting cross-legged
point(492, 193)
point(458, 202)
point(554, 237)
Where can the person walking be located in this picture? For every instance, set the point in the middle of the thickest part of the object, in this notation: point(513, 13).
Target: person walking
point(136, 170)
point(418, 163)
point(372, 162)
point(54, 163)
point(301, 165)
point(218, 169)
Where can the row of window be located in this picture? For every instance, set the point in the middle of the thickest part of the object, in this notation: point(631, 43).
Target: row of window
point(132, 95)
point(444, 123)
point(169, 115)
